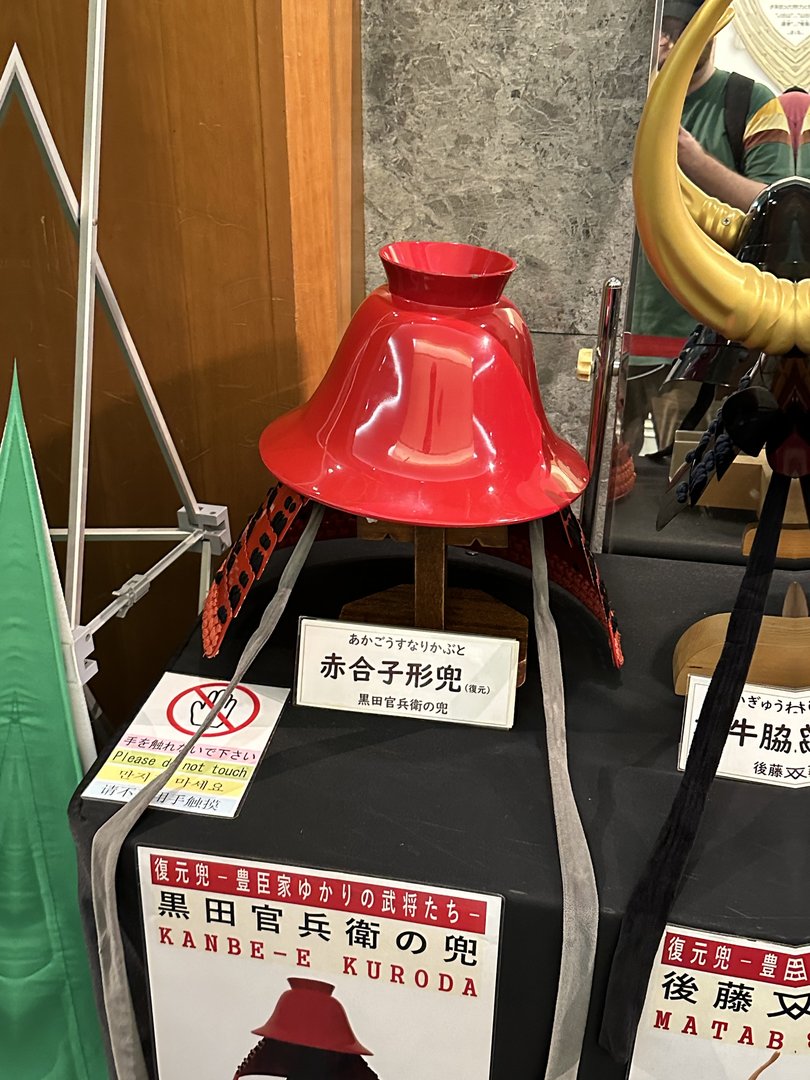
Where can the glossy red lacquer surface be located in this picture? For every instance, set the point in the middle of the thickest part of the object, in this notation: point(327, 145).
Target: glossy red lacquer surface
point(430, 413)
point(308, 1015)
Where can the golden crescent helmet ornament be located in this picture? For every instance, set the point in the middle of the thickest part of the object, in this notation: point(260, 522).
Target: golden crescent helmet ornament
point(740, 301)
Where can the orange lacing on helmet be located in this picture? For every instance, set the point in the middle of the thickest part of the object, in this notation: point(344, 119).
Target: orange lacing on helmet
point(278, 523)
point(246, 562)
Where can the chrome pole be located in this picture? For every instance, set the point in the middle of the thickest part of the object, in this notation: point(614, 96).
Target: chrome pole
point(601, 375)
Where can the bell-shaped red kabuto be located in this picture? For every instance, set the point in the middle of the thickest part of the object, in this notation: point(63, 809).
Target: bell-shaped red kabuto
point(307, 1014)
point(430, 412)
point(307, 1036)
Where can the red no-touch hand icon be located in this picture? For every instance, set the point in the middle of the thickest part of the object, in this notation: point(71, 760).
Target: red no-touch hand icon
point(190, 707)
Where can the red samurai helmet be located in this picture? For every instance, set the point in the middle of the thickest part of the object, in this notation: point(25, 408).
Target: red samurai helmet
point(430, 412)
point(308, 1037)
point(307, 1014)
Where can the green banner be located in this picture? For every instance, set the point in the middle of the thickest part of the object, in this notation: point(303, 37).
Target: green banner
point(49, 1028)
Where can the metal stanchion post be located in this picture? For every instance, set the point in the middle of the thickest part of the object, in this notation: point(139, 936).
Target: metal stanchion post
point(600, 397)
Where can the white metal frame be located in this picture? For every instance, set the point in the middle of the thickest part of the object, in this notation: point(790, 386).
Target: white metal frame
point(201, 527)
point(85, 307)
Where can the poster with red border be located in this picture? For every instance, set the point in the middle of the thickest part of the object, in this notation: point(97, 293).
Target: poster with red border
point(725, 1008)
point(259, 966)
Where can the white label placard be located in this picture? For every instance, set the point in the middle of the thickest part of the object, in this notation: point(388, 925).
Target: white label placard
point(214, 777)
point(769, 739)
point(724, 1008)
point(399, 671)
point(410, 970)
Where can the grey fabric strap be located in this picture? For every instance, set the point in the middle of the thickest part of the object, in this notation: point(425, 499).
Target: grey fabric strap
point(125, 1042)
point(580, 900)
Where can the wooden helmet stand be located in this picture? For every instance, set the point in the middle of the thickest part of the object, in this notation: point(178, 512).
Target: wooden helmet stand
point(428, 603)
point(794, 538)
point(782, 655)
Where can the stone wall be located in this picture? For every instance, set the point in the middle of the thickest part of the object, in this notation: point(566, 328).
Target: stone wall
point(510, 123)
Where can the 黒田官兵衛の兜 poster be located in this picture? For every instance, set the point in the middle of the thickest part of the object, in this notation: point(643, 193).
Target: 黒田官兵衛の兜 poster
point(262, 969)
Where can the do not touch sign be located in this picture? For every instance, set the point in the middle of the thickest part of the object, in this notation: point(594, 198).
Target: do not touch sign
point(214, 779)
point(188, 709)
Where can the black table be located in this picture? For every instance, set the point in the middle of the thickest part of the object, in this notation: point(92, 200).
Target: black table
point(394, 797)
point(698, 533)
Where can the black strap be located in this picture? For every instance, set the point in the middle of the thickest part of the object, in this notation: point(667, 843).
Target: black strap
point(736, 106)
point(804, 482)
point(649, 906)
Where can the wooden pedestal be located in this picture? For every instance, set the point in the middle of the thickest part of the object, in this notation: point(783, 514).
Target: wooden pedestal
point(781, 658)
point(743, 488)
point(794, 541)
point(428, 603)
point(466, 611)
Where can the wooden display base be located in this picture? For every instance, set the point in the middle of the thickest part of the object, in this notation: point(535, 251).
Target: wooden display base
point(744, 484)
point(743, 487)
point(794, 538)
point(781, 658)
point(794, 541)
point(466, 611)
point(428, 603)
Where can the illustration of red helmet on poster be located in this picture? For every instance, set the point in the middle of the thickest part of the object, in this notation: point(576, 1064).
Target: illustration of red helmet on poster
point(260, 969)
point(308, 1037)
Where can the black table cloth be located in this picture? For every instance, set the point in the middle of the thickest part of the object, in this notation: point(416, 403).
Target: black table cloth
point(471, 808)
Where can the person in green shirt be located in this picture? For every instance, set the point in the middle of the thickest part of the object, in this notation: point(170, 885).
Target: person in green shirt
point(658, 324)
